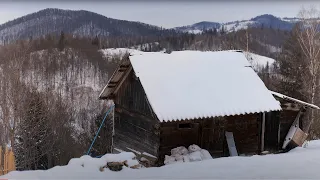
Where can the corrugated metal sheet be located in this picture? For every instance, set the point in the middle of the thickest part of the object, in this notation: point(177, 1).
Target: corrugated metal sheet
point(193, 84)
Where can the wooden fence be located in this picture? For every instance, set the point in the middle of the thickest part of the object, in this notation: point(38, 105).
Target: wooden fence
point(7, 162)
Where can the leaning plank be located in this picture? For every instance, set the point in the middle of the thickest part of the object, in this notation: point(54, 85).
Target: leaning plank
point(292, 130)
point(231, 144)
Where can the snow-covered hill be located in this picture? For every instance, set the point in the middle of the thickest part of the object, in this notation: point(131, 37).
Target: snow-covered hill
point(258, 62)
point(299, 163)
point(263, 21)
point(78, 82)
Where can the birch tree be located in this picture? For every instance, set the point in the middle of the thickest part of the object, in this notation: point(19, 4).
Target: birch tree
point(308, 39)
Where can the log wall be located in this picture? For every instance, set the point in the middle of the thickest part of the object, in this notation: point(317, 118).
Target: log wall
point(134, 121)
point(210, 134)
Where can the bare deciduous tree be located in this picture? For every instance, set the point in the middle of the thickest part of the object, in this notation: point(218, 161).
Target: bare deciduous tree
point(308, 38)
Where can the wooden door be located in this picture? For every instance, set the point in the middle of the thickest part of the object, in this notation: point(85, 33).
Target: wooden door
point(271, 131)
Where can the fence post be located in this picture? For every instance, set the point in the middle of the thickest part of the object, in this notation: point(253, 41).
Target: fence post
point(7, 161)
point(12, 166)
point(1, 162)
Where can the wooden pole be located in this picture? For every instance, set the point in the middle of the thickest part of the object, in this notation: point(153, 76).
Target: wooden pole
point(6, 161)
point(113, 133)
point(263, 131)
point(1, 160)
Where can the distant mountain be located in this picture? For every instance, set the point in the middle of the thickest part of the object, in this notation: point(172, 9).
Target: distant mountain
point(90, 24)
point(82, 23)
point(265, 20)
point(199, 27)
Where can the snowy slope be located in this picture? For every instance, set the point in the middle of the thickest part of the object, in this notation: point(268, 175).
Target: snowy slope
point(300, 163)
point(78, 82)
point(258, 61)
point(117, 52)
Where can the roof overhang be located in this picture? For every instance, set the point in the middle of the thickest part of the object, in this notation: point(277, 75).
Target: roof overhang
point(302, 103)
point(116, 80)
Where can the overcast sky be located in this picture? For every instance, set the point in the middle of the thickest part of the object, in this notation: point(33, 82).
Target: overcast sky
point(164, 13)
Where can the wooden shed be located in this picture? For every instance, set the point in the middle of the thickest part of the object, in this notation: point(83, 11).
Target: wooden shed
point(283, 129)
point(163, 101)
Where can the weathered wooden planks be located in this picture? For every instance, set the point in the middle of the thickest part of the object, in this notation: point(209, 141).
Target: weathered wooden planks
point(7, 161)
point(134, 121)
point(210, 134)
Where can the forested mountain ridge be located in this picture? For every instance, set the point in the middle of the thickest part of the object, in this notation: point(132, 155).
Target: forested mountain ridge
point(79, 23)
point(265, 20)
point(89, 24)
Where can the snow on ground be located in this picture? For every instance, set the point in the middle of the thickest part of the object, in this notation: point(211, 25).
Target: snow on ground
point(258, 61)
point(195, 31)
point(141, 47)
point(300, 163)
point(293, 20)
point(273, 49)
point(114, 52)
point(237, 25)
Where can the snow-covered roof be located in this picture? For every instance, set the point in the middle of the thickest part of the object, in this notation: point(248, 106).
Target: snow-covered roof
point(194, 84)
point(294, 100)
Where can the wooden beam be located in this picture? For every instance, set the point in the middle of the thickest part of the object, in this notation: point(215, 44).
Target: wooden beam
point(113, 82)
point(124, 66)
point(263, 130)
point(113, 132)
point(122, 80)
point(290, 106)
point(279, 134)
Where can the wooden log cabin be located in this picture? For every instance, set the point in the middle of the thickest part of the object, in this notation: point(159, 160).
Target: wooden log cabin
point(163, 101)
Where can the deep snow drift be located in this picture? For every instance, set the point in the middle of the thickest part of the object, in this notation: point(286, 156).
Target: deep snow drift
point(300, 163)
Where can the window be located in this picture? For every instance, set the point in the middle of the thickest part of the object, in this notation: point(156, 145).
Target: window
point(185, 126)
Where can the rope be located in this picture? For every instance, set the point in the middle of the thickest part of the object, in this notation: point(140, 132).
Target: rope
point(105, 117)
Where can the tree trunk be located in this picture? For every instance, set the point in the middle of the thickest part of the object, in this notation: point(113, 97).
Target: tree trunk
point(312, 116)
